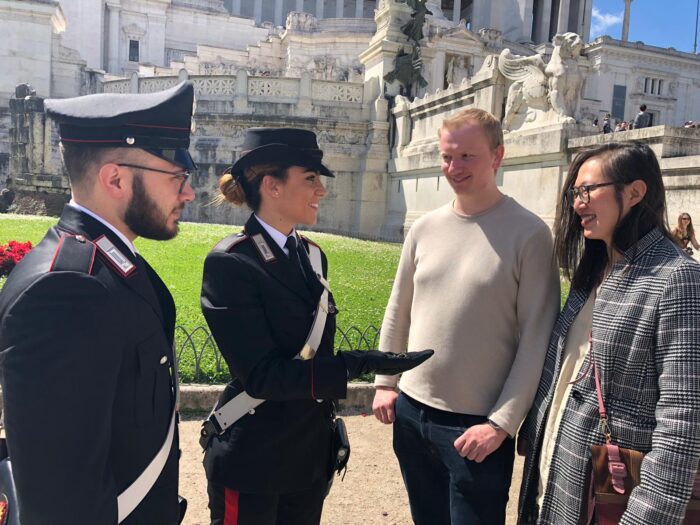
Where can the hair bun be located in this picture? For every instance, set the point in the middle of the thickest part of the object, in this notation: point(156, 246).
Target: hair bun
point(231, 190)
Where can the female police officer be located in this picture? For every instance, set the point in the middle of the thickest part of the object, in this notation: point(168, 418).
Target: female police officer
point(270, 463)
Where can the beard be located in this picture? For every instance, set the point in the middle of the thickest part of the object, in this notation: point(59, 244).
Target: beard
point(144, 217)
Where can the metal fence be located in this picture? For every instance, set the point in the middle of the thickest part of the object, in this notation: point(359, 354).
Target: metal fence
point(200, 361)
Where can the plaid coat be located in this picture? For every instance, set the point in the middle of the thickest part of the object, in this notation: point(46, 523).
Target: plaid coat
point(646, 340)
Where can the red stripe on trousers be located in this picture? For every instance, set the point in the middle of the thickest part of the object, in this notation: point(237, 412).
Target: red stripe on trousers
point(231, 507)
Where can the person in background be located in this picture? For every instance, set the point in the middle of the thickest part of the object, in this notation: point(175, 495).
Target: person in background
point(476, 282)
point(632, 313)
point(606, 124)
point(684, 234)
point(260, 296)
point(643, 119)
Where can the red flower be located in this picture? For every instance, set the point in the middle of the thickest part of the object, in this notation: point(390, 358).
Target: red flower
point(12, 253)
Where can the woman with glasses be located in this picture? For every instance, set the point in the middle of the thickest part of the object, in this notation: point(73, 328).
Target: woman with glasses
point(634, 310)
point(685, 233)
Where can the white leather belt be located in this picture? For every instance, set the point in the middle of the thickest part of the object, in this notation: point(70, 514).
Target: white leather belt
point(222, 418)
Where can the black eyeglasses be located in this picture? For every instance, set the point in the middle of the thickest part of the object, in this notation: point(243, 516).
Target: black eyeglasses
point(182, 176)
point(583, 192)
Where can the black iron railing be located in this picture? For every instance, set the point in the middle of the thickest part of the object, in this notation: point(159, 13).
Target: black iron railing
point(200, 361)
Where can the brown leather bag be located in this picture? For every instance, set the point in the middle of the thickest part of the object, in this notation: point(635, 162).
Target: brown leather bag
point(615, 472)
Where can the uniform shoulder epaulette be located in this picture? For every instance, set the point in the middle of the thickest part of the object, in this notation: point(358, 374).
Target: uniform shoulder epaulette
point(74, 253)
point(226, 244)
point(309, 241)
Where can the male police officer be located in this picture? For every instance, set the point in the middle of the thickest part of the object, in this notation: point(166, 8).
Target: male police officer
point(86, 325)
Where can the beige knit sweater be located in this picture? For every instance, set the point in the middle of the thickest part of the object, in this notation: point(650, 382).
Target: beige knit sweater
point(483, 292)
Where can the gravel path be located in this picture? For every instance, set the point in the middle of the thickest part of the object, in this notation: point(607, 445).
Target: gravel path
point(371, 494)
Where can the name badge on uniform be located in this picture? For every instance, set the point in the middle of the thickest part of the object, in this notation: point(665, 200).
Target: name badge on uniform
point(263, 248)
point(116, 258)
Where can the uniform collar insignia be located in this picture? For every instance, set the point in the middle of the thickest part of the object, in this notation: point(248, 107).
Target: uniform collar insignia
point(114, 257)
point(263, 248)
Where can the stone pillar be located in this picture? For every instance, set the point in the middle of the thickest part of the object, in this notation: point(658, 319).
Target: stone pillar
point(339, 8)
point(240, 99)
point(544, 22)
point(626, 21)
point(278, 13)
point(236, 7)
point(359, 9)
point(563, 21)
point(481, 14)
point(257, 12)
point(456, 11)
point(300, 6)
point(527, 21)
point(113, 47)
point(319, 9)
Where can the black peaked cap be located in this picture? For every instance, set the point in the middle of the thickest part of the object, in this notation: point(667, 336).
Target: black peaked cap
point(159, 123)
point(292, 146)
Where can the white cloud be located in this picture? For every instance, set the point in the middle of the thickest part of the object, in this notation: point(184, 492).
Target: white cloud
point(601, 22)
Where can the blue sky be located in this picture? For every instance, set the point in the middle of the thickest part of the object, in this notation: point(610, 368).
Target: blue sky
point(666, 23)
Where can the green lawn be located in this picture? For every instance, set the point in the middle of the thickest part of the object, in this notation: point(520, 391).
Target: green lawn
point(361, 273)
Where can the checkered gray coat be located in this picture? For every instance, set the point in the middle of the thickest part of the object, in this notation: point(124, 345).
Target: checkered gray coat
point(646, 341)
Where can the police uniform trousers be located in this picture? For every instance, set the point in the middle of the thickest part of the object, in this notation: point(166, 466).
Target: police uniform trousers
point(231, 507)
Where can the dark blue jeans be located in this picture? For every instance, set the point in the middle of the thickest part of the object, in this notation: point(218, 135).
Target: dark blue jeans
point(443, 487)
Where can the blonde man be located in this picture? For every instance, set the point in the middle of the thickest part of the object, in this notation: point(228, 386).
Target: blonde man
point(476, 282)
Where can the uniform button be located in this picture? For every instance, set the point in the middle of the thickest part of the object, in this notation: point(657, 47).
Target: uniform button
point(80, 238)
point(163, 359)
point(577, 395)
point(332, 309)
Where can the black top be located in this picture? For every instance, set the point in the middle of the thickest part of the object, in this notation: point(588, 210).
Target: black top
point(260, 314)
point(85, 356)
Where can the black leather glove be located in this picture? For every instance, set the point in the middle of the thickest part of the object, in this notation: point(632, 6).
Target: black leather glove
point(360, 362)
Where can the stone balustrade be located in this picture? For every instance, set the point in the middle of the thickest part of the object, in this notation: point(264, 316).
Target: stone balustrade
point(244, 89)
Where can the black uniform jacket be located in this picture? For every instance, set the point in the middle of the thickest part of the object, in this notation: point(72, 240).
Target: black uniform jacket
point(85, 358)
point(260, 314)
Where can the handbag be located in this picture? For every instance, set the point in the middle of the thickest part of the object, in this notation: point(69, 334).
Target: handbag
point(616, 471)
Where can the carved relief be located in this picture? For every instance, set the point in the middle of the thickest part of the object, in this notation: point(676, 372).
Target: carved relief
point(151, 85)
point(117, 86)
point(215, 86)
point(273, 87)
point(305, 22)
point(337, 91)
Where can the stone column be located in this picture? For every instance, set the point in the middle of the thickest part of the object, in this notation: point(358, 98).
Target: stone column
point(300, 6)
point(257, 12)
point(278, 13)
point(339, 8)
point(527, 21)
point(481, 14)
point(544, 22)
point(236, 7)
point(113, 47)
point(319, 9)
point(626, 21)
point(456, 11)
point(359, 9)
point(563, 21)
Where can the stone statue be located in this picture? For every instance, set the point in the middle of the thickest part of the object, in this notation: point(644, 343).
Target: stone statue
point(456, 71)
point(407, 71)
point(413, 29)
point(542, 94)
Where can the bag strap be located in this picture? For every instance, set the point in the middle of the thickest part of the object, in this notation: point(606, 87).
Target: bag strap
point(222, 418)
point(616, 467)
